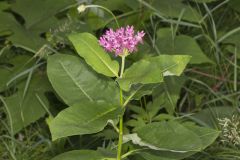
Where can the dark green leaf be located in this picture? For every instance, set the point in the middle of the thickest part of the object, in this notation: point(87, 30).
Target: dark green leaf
point(207, 135)
point(83, 118)
point(20, 36)
point(74, 81)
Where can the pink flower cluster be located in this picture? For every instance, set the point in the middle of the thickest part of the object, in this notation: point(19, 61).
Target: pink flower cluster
point(122, 40)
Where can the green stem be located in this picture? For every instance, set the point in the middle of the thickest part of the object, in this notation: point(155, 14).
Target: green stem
point(109, 11)
point(120, 137)
point(122, 67)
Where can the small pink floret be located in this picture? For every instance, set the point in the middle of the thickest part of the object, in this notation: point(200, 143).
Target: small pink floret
point(121, 40)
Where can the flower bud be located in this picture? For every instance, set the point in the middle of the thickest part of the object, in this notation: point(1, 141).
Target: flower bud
point(81, 8)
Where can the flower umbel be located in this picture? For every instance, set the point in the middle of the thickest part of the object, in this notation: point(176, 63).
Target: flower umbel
point(122, 41)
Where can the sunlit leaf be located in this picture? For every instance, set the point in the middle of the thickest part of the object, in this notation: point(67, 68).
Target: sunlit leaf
point(88, 47)
point(152, 70)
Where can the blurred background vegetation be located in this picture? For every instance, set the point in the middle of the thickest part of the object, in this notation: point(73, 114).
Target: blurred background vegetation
point(208, 92)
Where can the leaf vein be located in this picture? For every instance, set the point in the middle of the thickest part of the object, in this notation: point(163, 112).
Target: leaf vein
point(100, 58)
point(75, 82)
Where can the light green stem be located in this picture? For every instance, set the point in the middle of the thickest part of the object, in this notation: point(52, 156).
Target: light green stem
point(98, 6)
point(122, 67)
point(120, 137)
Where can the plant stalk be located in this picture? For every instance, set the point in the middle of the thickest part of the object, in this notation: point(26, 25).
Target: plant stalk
point(120, 136)
point(122, 67)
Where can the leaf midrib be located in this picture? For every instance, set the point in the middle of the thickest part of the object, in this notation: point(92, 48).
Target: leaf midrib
point(105, 63)
point(98, 116)
point(75, 82)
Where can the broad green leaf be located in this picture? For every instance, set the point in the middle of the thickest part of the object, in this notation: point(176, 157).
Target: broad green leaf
point(168, 133)
point(169, 136)
point(74, 81)
point(20, 36)
point(137, 91)
point(88, 47)
point(143, 72)
point(182, 44)
point(80, 155)
point(171, 65)
point(207, 135)
point(174, 137)
point(26, 109)
point(32, 11)
point(152, 70)
point(26, 39)
point(83, 118)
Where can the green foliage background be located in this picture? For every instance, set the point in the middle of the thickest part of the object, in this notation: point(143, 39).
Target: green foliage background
point(35, 35)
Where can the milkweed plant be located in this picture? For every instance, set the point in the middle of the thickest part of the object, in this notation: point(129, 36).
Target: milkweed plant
point(121, 42)
point(99, 88)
